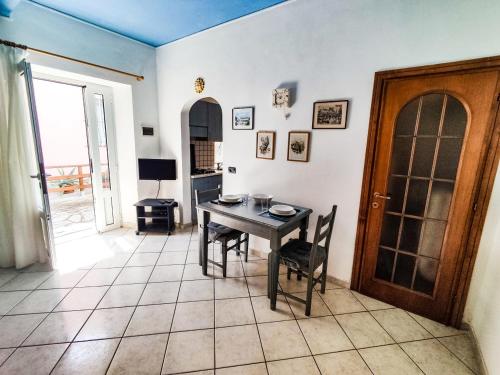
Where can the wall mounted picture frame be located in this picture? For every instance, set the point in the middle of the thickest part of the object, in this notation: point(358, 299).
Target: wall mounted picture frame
point(243, 118)
point(266, 143)
point(330, 114)
point(299, 144)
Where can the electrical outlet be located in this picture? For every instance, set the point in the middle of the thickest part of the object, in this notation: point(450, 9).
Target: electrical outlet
point(231, 169)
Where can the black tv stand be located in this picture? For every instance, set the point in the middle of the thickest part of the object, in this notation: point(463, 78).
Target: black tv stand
point(159, 217)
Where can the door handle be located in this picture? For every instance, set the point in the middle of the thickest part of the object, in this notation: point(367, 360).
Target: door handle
point(378, 195)
point(37, 176)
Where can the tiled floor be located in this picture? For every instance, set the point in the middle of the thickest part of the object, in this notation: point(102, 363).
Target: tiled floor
point(140, 305)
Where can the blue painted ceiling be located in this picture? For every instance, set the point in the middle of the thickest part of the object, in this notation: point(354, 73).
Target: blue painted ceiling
point(157, 22)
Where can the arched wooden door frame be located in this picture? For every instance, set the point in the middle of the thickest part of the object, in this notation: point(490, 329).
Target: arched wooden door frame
point(490, 156)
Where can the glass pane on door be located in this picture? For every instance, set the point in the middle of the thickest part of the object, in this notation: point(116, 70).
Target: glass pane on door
point(427, 146)
point(103, 157)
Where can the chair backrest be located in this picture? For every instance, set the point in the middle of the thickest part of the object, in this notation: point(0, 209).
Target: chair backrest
point(323, 233)
point(207, 195)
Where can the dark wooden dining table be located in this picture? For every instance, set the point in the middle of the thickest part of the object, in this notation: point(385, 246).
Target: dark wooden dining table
point(254, 219)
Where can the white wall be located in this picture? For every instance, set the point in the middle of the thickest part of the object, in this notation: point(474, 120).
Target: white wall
point(44, 29)
point(330, 49)
point(482, 311)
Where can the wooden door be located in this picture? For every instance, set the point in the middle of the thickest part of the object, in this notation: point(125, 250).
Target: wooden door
point(429, 150)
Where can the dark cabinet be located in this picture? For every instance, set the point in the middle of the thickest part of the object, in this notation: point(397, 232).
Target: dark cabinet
point(205, 121)
point(214, 123)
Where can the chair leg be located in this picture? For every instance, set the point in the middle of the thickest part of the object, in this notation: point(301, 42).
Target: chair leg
point(224, 259)
point(238, 249)
point(246, 237)
point(288, 273)
point(299, 275)
point(323, 276)
point(309, 293)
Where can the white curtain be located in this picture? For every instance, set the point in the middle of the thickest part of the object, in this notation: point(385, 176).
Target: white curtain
point(21, 236)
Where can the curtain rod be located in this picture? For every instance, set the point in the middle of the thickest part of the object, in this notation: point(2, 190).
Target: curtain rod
point(21, 46)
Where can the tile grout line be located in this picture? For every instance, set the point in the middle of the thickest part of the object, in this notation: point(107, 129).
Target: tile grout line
point(93, 310)
point(175, 308)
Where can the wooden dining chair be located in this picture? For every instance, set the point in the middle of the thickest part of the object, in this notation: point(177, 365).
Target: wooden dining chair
point(222, 234)
point(303, 258)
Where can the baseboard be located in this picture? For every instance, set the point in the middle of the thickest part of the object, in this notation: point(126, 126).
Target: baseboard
point(472, 335)
point(342, 283)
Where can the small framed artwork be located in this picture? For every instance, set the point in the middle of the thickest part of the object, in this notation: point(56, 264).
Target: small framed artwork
point(266, 141)
point(330, 114)
point(299, 145)
point(243, 118)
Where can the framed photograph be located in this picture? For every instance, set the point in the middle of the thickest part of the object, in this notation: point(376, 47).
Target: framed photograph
point(330, 114)
point(298, 146)
point(266, 141)
point(243, 118)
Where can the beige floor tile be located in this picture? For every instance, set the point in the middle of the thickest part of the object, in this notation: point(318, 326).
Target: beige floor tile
point(10, 299)
point(255, 369)
point(16, 328)
point(231, 256)
point(255, 268)
point(263, 312)
point(99, 277)
point(122, 295)
point(58, 328)
point(342, 363)
point(193, 315)
point(142, 259)
point(329, 284)
point(235, 311)
point(152, 244)
point(141, 355)
point(363, 330)
point(4, 354)
point(63, 280)
point(293, 285)
point(134, 275)
point(318, 306)
point(231, 288)
point(371, 303)
point(463, 348)
point(206, 372)
point(193, 257)
point(389, 360)
point(233, 269)
point(35, 360)
point(174, 257)
point(40, 301)
point(434, 359)
point(7, 275)
point(324, 335)
point(82, 298)
point(196, 290)
point(87, 358)
point(189, 351)
point(26, 281)
point(401, 326)
point(282, 340)
point(107, 323)
point(193, 272)
point(435, 328)
point(341, 301)
point(177, 245)
point(116, 260)
point(257, 285)
point(156, 293)
point(304, 365)
point(167, 273)
point(151, 319)
point(237, 346)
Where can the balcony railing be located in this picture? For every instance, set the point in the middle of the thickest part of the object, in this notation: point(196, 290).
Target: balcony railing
point(79, 181)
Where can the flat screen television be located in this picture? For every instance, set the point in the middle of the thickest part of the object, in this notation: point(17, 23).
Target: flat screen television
point(157, 169)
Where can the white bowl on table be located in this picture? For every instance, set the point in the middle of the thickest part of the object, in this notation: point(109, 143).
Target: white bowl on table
point(262, 198)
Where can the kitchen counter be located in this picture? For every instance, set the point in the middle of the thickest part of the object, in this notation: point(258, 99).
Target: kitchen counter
point(217, 173)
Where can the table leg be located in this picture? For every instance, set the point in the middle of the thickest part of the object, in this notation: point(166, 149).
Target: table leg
point(203, 241)
point(304, 224)
point(274, 266)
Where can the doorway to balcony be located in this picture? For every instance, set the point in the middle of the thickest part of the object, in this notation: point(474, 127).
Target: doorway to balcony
point(77, 146)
